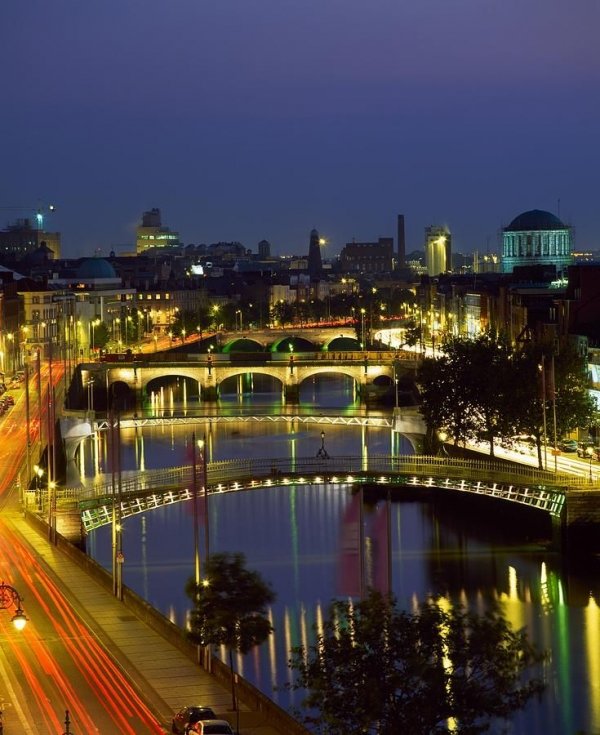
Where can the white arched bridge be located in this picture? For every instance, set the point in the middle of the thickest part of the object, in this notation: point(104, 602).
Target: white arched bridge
point(138, 492)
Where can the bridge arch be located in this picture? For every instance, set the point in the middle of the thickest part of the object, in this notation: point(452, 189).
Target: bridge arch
point(244, 374)
point(243, 344)
point(291, 343)
point(342, 342)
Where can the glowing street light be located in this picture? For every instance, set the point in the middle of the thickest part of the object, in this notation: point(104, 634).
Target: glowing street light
point(9, 597)
point(590, 453)
point(39, 473)
point(362, 327)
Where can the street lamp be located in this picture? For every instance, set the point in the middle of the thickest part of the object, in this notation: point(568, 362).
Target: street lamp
point(39, 473)
point(322, 453)
point(590, 453)
point(93, 324)
point(362, 327)
point(9, 597)
point(90, 392)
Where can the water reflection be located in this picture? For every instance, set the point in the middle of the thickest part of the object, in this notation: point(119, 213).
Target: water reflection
point(474, 554)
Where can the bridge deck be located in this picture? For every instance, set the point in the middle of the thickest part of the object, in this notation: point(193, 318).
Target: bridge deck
point(141, 491)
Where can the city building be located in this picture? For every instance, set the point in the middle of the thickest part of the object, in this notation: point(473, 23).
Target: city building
point(22, 238)
point(264, 249)
point(151, 234)
point(438, 250)
point(536, 237)
point(368, 257)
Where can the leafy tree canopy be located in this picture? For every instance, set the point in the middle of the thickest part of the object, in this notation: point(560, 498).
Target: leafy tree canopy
point(375, 668)
point(231, 609)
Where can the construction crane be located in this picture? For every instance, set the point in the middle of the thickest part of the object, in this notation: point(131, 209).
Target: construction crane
point(40, 211)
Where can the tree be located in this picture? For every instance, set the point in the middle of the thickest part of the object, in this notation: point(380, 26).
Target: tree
point(230, 608)
point(562, 393)
point(374, 668)
point(468, 389)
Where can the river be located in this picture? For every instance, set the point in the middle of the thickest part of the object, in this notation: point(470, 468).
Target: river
point(469, 552)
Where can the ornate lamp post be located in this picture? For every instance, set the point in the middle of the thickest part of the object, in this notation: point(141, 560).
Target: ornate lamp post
point(9, 597)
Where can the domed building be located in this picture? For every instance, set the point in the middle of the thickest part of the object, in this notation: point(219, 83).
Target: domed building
point(92, 270)
point(536, 237)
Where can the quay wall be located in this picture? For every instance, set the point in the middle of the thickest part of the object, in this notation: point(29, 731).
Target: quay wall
point(254, 699)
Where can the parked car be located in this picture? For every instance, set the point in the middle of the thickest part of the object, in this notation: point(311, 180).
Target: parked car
point(9, 399)
point(568, 445)
point(189, 716)
point(212, 727)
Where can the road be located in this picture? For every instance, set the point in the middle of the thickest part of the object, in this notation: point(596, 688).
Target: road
point(57, 663)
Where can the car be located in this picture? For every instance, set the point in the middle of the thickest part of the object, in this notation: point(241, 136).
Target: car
point(582, 449)
point(212, 727)
point(10, 401)
point(568, 445)
point(190, 716)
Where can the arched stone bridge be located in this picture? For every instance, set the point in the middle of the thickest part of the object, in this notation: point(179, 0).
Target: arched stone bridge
point(143, 491)
point(369, 369)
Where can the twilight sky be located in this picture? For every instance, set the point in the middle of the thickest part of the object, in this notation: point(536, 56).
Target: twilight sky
point(251, 119)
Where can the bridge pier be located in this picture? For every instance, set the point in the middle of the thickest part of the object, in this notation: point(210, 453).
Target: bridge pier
point(581, 521)
point(292, 393)
point(209, 393)
point(74, 432)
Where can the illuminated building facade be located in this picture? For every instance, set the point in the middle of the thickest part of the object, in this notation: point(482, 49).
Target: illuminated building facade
point(438, 250)
point(152, 235)
point(536, 237)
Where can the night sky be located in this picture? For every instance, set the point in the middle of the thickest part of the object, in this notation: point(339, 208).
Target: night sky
point(251, 119)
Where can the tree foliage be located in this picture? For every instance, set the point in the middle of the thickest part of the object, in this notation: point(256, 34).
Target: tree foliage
point(374, 668)
point(466, 391)
point(231, 609)
point(481, 389)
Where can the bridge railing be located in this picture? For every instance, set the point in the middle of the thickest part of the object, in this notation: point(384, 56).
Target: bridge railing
point(340, 468)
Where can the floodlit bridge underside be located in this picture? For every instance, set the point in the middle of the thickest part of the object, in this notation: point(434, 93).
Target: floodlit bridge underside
point(143, 491)
point(369, 370)
point(289, 376)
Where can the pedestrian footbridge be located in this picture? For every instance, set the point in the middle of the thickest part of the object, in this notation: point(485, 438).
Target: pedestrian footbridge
point(138, 492)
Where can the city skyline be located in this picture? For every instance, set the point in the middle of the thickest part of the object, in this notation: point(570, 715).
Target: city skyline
point(261, 120)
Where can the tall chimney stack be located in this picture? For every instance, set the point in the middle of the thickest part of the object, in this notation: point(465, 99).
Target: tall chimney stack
point(401, 242)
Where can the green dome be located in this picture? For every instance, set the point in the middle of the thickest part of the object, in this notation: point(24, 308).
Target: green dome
point(94, 268)
point(535, 219)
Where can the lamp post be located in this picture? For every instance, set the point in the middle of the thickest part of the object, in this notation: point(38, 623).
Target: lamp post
point(590, 453)
point(90, 392)
point(93, 324)
point(362, 327)
point(39, 473)
point(9, 597)
point(238, 311)
point(322, 453)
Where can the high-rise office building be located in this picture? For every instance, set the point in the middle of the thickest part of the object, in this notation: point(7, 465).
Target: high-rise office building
point(438, 250)
point(151, 234)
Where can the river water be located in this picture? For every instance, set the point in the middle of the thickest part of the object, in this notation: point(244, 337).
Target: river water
point(467, 552)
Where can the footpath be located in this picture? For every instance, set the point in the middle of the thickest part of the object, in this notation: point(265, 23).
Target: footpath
point(166, 676)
